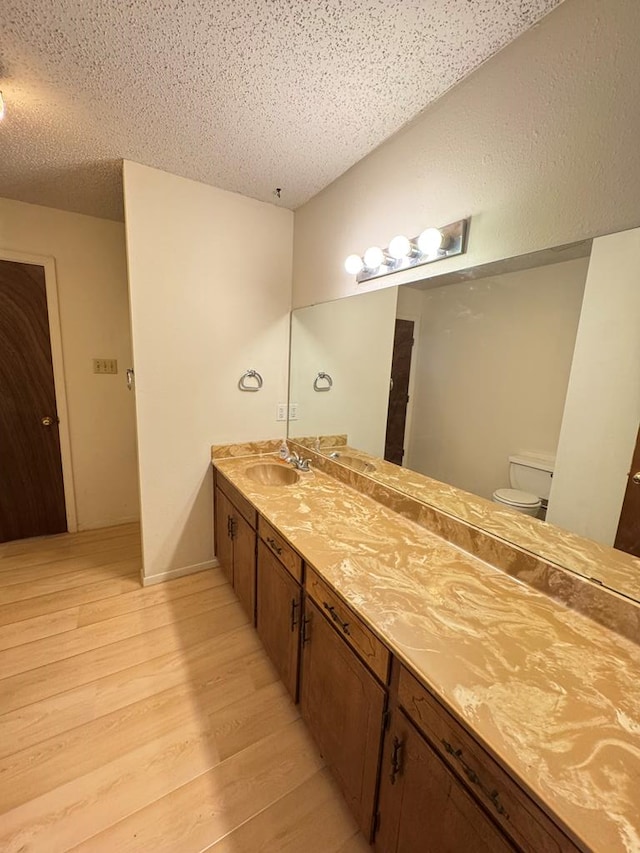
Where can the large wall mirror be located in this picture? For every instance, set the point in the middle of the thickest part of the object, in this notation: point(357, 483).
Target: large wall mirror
point(455, 377)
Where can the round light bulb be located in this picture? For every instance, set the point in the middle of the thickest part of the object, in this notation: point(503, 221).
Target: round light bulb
point(353, 264)
point(373, 257)
point(430, 241)
point(400, 247)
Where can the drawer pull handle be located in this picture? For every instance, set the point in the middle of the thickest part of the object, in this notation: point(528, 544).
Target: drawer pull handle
point(472, 776)
point(336, 618)
point(396, 759)
point(274, 545)
point(294, 609)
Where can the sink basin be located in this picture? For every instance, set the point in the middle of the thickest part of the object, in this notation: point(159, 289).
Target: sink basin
point(357, 464)
point(272, 474)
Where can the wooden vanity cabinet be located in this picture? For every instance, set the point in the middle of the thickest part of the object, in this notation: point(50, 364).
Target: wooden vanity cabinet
point(424, 738)
point(235, 541)
point(279, 615)
point(422, 807)
point(343, 705)
point(415, 778)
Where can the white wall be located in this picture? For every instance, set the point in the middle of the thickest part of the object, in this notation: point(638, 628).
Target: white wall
point(602, 411)
point(210, 288)
point(352, 340)
point(492, 369)
point(91, 274)
point(539, 146)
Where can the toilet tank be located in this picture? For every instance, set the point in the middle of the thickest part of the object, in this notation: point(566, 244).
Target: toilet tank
point(532, 472)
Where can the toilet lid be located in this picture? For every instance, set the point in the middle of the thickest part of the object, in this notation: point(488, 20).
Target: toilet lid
point(515, 497)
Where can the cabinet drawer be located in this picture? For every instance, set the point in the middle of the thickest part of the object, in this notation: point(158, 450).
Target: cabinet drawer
point(374, 653)
point(278, 545)
point(507, 803)
point(246, 509)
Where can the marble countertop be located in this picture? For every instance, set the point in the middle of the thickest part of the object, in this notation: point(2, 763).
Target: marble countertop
point(613, 568)
point(553, 695)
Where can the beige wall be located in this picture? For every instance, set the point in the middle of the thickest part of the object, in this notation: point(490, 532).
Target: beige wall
point(603, 400)
point(493, 359)
point(210, 289)
point(352, 340)
point(539, 146)
point(91, 274)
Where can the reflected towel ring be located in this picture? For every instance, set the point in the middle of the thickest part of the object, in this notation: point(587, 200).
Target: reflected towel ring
point(250, 374)
point(322, 377)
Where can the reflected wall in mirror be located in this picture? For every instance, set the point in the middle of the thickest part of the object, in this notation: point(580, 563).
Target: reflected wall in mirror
point(533, 355)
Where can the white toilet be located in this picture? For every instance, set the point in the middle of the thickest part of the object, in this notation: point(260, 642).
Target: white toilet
point(530, 477)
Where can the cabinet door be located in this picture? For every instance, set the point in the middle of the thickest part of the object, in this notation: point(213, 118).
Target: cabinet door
point(224, 543)
point(244, 563)
point(342, 704)
point(423, 808)
point(278, 616)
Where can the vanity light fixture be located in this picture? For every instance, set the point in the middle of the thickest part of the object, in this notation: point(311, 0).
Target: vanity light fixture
point(354, 264)
point(374, 257)
point(430, 241)
point(432, 244)
point(401, 247)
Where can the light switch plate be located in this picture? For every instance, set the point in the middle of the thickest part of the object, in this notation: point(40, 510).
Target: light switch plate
point(105, 365)
point(293, 411)
point(281, 412)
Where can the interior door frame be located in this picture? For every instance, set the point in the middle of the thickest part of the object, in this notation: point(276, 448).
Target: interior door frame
point(55, 334)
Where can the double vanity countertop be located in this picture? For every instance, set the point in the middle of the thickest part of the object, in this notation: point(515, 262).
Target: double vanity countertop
point(553, 695)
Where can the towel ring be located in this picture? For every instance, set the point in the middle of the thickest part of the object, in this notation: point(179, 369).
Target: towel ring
point(322, 377)
point(250, 374)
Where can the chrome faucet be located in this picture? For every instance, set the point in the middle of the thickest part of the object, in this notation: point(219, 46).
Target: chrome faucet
point(298, 462)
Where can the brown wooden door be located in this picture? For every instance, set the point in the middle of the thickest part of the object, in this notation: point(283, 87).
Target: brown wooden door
point(628, 535)
point(244, 563)
point(278, 617)
point(31, 485)
point(423, 808)
point(399, 391)
point(342, 704)
point(224, 543)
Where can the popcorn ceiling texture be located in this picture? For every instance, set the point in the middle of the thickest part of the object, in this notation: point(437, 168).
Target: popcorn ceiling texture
point(247, 96)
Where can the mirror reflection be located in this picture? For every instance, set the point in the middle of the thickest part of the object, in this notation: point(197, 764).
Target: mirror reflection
point(501, 381)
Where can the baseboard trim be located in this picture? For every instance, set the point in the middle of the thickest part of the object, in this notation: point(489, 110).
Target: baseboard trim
point(161, 577)
point(99, 525)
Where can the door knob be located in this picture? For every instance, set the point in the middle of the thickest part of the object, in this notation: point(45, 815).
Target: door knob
point(636, 478)
point(47, 422)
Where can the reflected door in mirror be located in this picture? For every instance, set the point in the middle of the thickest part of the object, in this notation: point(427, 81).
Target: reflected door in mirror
point(628, 535)
point(399, 391)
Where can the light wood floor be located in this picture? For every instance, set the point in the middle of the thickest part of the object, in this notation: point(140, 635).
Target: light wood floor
point(148, 719)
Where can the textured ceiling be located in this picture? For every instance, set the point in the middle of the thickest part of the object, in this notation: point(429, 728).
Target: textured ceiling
point(247, 96)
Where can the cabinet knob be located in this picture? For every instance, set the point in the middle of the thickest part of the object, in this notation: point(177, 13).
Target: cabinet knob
point(636, 478)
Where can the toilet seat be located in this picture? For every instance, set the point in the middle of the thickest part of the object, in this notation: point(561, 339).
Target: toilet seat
point(517, 498)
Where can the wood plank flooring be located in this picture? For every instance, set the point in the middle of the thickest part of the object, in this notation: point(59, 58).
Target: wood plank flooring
point(146, 720)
